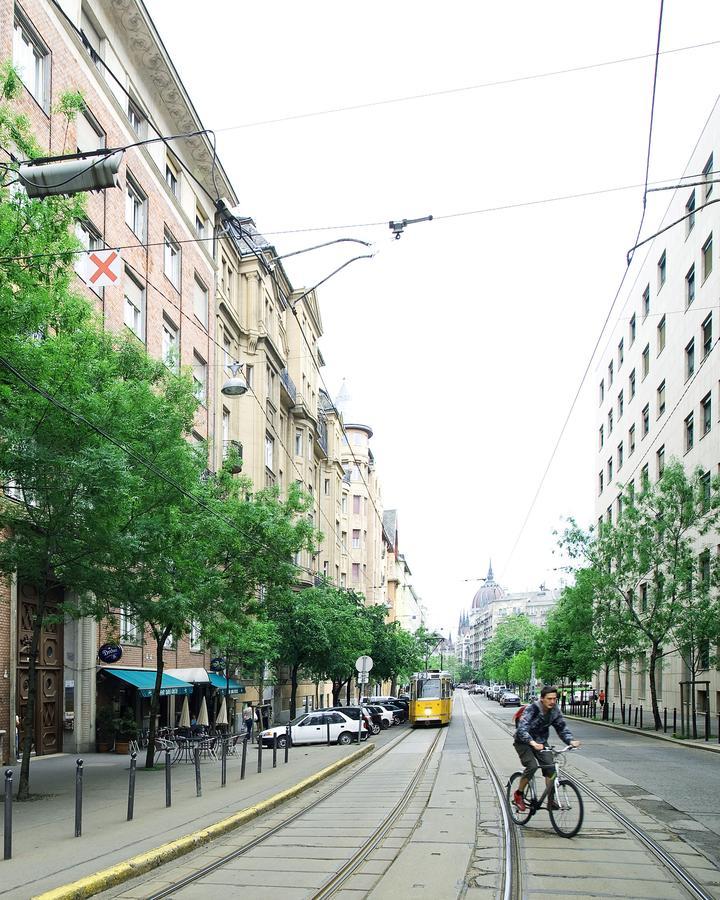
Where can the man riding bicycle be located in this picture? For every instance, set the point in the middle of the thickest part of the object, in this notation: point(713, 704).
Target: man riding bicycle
point(531, 736)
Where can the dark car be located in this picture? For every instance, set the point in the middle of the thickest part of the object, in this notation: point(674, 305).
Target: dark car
point(376, 722)
point(354, 712)
point(398, 709)
point(510, 699)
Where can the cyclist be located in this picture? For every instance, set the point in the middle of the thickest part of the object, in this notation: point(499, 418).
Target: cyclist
point(530, 738)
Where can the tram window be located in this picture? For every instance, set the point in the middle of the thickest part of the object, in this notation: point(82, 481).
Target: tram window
point(429, 688)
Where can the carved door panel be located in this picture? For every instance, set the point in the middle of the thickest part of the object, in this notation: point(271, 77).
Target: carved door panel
point(50, 676)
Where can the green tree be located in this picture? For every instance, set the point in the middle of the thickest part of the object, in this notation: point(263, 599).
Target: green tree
point(519, 669)
point(513, 634)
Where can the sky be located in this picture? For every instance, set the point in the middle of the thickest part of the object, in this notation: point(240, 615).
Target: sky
point(465, 341)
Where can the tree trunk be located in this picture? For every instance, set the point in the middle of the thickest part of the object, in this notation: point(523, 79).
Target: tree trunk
point(653, 689)
point(336, 688)
point(293, 688)
point(155, 700)
point(349, 691)
point(605, 709)
point(693, 707)
point(393, 686)
point(29, 720)
point(317, 694)
point(619, 678)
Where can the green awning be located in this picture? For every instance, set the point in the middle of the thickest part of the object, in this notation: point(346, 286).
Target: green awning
point(219, 681)
point(144, 681)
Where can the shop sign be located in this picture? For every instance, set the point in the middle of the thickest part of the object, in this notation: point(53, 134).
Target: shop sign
point(109, 653)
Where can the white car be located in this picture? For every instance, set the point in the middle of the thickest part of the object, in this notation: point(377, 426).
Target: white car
point(312, 728)
point(387, 714)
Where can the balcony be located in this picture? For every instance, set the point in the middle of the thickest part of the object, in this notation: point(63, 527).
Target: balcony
point(322, 433)
point(289, 385)
point(234, 449)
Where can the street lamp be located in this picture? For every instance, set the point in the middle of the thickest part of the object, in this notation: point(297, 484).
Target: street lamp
point(237, 384)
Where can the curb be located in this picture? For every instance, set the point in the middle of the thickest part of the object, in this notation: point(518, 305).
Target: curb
point(712, 748)
point(145, 862)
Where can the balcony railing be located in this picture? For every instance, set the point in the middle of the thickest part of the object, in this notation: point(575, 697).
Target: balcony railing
point(288, 384)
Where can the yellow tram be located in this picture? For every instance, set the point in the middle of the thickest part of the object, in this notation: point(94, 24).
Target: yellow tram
point(431, 698)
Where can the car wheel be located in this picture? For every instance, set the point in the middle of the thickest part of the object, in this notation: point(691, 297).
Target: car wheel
point(345, 738)
point(396, 720)
point(375, 728)
point(282, 740)
point(385, 724)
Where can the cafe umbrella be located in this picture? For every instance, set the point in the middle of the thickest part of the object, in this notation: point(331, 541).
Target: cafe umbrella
point(222, 718)
point(185, 714)
point(202, 718)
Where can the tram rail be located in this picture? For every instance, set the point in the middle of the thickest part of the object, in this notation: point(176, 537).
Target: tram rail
point(682, 877)
point(347, 868)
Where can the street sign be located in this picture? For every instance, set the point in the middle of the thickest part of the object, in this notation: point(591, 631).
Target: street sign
point(109, 653)
point(364, 664)
point(102, 268)
point(363, 678)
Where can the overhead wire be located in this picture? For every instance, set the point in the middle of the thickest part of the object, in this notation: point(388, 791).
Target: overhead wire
point(610, 310)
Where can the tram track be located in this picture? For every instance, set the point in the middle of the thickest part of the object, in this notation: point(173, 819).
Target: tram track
point(348, 867)
point(682, 877)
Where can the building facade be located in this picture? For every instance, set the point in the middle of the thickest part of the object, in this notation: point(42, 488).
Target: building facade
point(657, 392)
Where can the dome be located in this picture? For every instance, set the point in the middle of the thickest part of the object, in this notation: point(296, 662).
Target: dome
point(488, 593)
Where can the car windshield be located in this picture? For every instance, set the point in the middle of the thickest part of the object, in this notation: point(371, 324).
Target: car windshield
point(430, 688)
point(297, 719)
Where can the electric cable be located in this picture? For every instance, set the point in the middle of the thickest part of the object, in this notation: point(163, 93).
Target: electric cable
point(609, 313)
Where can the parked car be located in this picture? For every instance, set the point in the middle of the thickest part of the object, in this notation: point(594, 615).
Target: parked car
point(376, 719)
point(399, 711)
point(510, 699)
point(386, 717)
point(354, 712)
point(312, 728)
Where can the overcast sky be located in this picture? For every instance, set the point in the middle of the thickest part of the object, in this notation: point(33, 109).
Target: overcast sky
point(463, 342)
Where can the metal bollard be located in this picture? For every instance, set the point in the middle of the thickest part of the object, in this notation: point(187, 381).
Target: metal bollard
point(131, 786)
point(168, 779)
point(674, 720)
point(707, 724)
point(78, 797)
point(613, 713)
point(259, 743)
point(665, 720)
point(7, 834)
point(328, 734)
point(223, 763)
point(198, 780)
point(359, 727)
point(243, 758)
point(275, 751)
point(719, 729)
point(287, 741)
point(636, 716)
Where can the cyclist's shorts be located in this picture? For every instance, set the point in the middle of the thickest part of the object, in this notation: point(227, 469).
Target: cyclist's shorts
point(534, 759)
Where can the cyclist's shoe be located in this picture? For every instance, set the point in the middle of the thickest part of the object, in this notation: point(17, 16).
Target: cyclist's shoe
point(519, 801)
point(553, 804)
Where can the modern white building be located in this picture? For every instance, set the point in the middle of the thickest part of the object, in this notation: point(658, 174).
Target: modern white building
point(656, 391)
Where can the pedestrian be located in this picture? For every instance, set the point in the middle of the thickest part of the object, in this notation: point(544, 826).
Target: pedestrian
point(601, 697)
point(247, 715)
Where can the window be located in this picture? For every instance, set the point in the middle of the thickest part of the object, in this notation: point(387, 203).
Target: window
point(356, 538)
point(91, 240)
point(707, 176)
point(137, 118)
point(690, 359)
point(356, 572)
point(195, 644)
point(621, 405)
point(601, 481)
point(343, 504)
point(610, 469)
point(88, 134)
point(689, 432)
point(199, 376)
point(91, 38)
point(201, 224)
point(135, 208)
point(298, 442)
point(200, 303)
point(662, 270)
point(601, 437)
point(661, 399)
point(134, 309)
point(633, 329)
point(660, 457)
point(621, 352)
point(620, 455)
point(706, 407)
point(631, 382)
point(645, 476)
point(170, 354)
point(610, 373)
point(646, 419)
point(129, 628)
point(228, 358)
point(646, 360)
point(225, 431)
point(602, 390)
point(171, 177)
point(690, 286)
point(646, 302)
point(356, 504)
point(690, 213)
point(631, 439)
point(269, 451)
point(610, 422)
point(32, 60)
point(707, 335)
point(171, 259)
point(706, 486)
point(250, 379)
point(661, 335)
point(608, 516)
point(707, 259)
point(326, 487)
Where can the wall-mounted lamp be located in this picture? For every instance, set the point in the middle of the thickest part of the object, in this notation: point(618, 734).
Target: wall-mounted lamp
point(237, 385)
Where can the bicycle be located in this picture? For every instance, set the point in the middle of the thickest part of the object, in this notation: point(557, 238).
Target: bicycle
point(568, 818)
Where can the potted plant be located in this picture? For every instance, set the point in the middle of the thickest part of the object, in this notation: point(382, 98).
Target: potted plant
point(126, 730)
point(105, 728)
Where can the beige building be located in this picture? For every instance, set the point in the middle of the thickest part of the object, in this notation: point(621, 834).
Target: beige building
point(656, 393)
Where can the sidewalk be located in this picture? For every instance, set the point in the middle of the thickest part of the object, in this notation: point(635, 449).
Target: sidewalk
point(649, 733)
point(46, 853)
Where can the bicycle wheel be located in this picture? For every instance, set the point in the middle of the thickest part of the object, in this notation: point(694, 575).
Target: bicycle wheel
point(517, 815)
point(569, 818)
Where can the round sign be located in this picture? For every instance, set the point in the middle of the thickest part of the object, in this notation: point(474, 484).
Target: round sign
point(109, 653)
point(217, 664)
point(364, 663)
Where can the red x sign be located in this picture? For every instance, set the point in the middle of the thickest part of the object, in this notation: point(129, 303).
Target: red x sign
point(103, 267)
